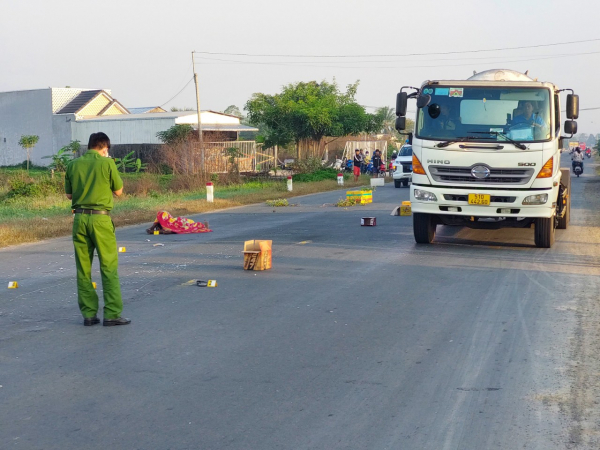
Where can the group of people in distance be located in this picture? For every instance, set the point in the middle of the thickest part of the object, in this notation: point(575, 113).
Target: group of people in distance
point(361, 161)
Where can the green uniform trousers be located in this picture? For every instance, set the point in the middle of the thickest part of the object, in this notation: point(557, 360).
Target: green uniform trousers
point(97, 231)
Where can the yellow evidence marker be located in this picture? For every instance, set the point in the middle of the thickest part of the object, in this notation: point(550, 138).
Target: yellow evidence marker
point(122, 249)
point(94, 284)
point(212, 283)
point(13, 285)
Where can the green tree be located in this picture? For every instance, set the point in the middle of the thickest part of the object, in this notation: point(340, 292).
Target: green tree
point(234, 111)
point(309, 111)
point(27, 142)
point(186, 108)
point(388, 116)
point(176, 134)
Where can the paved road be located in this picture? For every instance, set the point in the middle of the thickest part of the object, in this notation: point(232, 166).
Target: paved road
point(357, 339)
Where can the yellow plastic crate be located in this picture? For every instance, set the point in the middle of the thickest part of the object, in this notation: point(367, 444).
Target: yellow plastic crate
point(362, 197)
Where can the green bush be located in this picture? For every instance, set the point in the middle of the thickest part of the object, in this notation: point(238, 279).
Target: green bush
point(317, 175)
point(19, 187)
point(306, 165)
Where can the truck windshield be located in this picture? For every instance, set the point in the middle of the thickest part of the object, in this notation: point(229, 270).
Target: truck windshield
point(405, 151)
point(485, 114)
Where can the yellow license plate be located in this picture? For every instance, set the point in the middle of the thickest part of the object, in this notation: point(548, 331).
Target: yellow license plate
point(479, 199)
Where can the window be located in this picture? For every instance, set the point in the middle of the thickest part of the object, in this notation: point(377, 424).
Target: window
point(486, 114)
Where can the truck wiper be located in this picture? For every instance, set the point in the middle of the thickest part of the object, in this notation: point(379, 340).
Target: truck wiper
point(497, 133)
point(454, 141)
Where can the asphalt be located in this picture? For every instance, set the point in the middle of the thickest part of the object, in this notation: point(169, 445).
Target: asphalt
point(356, 339)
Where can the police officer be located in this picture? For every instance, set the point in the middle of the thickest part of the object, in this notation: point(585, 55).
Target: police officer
point(90, 183)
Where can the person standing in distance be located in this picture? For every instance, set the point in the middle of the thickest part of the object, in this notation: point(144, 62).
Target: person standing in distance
point(90, 183)
point(358, 161)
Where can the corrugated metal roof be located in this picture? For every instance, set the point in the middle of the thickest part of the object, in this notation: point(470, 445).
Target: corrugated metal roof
point(78, 102)
point(226, 127)
point(169, 115)
point(142, 110)
point(153, 116)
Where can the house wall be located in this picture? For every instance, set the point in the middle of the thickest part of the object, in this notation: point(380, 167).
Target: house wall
point(112, 111)
point(25, 113)
point(62, 132)
point(124, 131)
point(95, 106)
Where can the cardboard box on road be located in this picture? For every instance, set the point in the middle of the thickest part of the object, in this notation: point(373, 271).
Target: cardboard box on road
point(257, 255)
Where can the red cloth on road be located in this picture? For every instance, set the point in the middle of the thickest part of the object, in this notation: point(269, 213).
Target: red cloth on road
point(180, 225)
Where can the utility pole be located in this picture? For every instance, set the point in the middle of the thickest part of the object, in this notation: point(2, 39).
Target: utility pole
point(200, 139)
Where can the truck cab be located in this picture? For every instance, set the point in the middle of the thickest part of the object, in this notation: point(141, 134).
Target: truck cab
point(486, 154)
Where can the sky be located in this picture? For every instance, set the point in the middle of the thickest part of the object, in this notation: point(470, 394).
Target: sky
point(141, 50)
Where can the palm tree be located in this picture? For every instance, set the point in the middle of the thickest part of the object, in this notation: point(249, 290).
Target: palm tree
point(389, 119)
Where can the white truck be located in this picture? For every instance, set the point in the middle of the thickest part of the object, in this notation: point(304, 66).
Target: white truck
point(486, 154)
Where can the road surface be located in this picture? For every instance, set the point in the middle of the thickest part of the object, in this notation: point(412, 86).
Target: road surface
point(356, 339)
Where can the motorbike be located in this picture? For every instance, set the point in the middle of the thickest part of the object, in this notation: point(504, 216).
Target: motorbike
point(348, 166)
point(577, 168)
point(588, 153)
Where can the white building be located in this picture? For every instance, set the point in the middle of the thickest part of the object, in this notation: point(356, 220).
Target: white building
point(61, 115)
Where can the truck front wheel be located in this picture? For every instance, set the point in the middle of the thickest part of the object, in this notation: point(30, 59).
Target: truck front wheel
point(544, 232)
point(424, 226)
point(565, 180)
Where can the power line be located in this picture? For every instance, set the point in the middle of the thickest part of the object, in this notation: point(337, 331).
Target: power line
point(295, 64)
point(186, 85)
point(401, 55)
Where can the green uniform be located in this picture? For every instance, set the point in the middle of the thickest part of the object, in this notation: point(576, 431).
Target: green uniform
point(91, 180)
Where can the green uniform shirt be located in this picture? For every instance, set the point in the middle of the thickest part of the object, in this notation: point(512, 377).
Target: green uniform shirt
point(91, 179)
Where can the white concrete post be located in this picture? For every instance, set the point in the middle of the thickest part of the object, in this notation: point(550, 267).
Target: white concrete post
point(210, 193)
point(289, 183)
point(340, 179)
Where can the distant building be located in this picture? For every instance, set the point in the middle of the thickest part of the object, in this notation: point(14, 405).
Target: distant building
point(148, 109)
point(60, 115)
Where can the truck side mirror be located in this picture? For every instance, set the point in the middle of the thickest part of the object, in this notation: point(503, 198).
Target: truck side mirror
point(423, 100)
point(570, 127)
point(573, 107)
point(401, 102)
point(400, 123)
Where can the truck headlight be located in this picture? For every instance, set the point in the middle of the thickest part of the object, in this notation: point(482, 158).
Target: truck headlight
point(425, 196)
point(538, 199)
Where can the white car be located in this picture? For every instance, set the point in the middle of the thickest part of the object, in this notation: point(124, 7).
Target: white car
point(403, 167)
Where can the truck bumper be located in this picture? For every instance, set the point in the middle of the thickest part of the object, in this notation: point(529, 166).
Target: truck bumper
point(453, 202)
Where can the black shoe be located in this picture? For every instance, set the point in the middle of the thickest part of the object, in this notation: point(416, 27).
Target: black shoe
point(117, 321)
point(89, 321)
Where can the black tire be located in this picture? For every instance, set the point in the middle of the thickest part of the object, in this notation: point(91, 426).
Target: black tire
point(424, 228)
point(405, 182)
point(565, 180)
point(544, 232)
point(397, 183)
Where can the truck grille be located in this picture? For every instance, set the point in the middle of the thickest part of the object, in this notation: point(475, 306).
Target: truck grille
point(407, 168)
point(448, 174)
point(493, 198)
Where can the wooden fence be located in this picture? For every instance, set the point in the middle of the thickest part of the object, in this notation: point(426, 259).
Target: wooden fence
point(252, 158)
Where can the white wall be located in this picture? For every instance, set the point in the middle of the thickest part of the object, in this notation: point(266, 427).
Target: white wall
point(126, 131)
point(25, 113)
point(62, 131)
